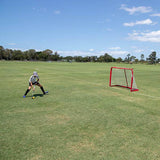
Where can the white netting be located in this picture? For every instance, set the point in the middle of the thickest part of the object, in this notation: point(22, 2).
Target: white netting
point(134, 86)
point(122, 77)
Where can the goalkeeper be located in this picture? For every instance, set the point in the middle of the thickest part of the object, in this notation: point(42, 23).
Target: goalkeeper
point(34, 80)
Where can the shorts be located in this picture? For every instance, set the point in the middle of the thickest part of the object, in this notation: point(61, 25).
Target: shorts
point(35, 83)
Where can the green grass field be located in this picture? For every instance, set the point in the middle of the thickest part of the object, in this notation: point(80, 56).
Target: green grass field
point(81, 118)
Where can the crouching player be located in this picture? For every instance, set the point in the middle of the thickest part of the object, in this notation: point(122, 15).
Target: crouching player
point(34, 80)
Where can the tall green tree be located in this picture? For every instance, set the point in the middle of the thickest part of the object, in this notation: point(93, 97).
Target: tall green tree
point(68, 58)
point(108, 58)
point(30, 54)
point(136, 60)
point(17, 55)
point(142, 57)
point(152, 58)
point(132, 58)
point(119, 59)
point(94, 58)
point(1, 52)
point(128, 58)
point(78, 58)
point(7, 54)
point(56, 56)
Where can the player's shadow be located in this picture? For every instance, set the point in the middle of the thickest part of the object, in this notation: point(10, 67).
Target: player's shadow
point(38, 95)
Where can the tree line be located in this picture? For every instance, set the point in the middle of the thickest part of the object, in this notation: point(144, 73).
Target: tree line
point(48, 55)
point(151, 59)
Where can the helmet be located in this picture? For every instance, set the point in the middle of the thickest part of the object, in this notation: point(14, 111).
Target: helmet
point(35, 73)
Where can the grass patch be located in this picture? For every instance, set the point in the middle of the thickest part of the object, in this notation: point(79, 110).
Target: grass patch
point(81, 117)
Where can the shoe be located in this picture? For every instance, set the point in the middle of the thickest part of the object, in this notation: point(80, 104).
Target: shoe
point(24, 96)
point(46, 92)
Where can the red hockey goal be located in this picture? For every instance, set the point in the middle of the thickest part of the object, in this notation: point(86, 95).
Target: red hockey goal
point(122, 77)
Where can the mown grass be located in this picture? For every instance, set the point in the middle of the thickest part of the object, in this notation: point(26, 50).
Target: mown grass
point(81, 117)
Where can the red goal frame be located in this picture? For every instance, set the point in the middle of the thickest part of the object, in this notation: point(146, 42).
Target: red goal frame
point(129, 87)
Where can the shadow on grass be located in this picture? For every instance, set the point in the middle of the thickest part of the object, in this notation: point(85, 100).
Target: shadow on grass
point(38, 95)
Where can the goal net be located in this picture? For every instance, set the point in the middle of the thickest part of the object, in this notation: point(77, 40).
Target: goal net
point(122, 77)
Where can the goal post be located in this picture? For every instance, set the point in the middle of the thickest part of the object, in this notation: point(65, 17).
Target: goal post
point(122, 77)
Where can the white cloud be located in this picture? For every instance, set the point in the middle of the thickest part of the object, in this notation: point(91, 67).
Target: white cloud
point(75, 53)
point(91, 50)
point(114, 53)
point(11, 44)
point(139, 50)
point(115, 48)
point(156, 15)
point(19, 49)
point(153, 36)
point(57, 12)
point(141, 9)
point(144, 22)
point(39, 9)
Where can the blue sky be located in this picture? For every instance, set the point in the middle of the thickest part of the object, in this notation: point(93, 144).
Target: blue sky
point(82, 27)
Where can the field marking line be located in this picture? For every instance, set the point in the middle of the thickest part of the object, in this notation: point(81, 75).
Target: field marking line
point(148, 95)
point(140, 94)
